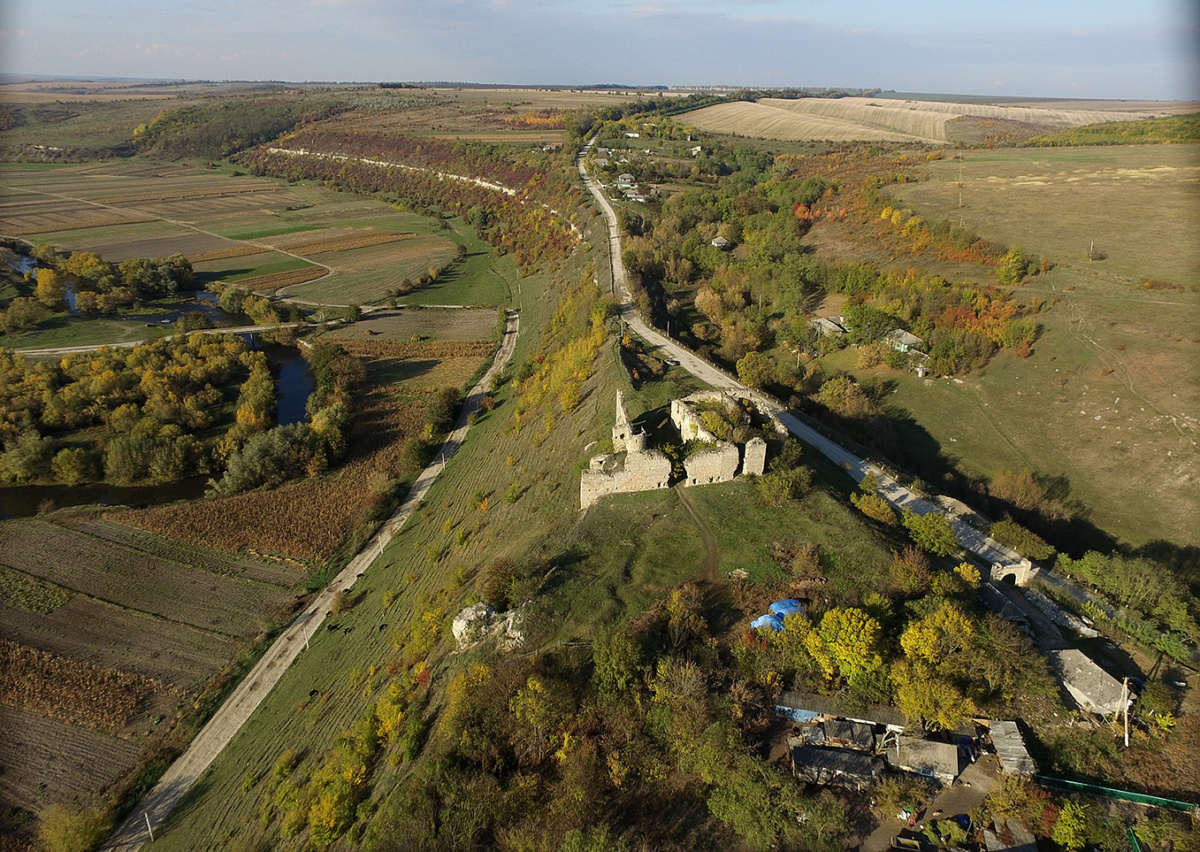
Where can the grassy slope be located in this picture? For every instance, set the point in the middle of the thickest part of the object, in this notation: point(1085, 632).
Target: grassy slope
point(610, 565)
point(1104, 398)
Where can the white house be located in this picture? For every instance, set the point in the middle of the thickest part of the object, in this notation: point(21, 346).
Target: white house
point(720, 242)
point(625, 181)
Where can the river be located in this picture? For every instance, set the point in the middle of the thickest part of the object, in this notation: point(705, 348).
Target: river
point(293, 384)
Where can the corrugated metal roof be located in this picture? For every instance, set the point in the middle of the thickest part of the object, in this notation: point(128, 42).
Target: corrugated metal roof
point(1010, 746)
point(829, 706)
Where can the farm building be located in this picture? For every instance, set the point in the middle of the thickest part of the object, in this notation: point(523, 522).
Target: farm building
point(833, 766)
point(924, 757)
point(845, 733)
point(903, 341)
point(1010, 747)
point(1093, 689)
point(827, 325)
point(809, 707)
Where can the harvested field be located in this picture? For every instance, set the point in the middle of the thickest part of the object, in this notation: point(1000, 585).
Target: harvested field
point(882, 119)
point(364, 275)
point(100, 699)
point(278, 280)
point(424, 366)
point(141, 581)
point(58, 762)
point(768, 122)
point(102, 634)
point(224, 254)
point(420, 323)
point(334, 239)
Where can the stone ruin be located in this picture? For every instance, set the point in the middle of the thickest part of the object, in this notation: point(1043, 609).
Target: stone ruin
point(631, 466)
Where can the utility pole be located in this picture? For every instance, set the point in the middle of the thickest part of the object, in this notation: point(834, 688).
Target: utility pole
point(1125, 706)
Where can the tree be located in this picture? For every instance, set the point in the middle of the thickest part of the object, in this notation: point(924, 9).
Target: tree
point(756, 370)
point(932, 532)
point(940, 638)
point(684, 619)
point(73, 466)
point(874, 507)
point(23, 313)
point(924, 697)
point(780, 487)
point(846, 643)
point(616, 662)
point(353, 313)
point(1070, 831)
point(51, 289)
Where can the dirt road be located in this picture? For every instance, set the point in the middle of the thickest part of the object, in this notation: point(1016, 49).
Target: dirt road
point(226, 722)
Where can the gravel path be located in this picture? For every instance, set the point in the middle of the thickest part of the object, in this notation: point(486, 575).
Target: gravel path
point(226, 722)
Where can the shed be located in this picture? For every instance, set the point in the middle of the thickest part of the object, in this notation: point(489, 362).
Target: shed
point(849, 734)
point(834, 766)
point(811, 705)
point(1093, 689)
point(825, 325)
point(1010, 747)
point(902, 340)
point(925, 757)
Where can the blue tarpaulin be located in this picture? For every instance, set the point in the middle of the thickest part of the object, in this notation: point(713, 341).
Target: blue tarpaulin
point(787, 607)
point(770, 621)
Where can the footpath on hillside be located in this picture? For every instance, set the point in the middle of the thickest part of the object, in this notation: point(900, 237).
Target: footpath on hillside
point(242, 702)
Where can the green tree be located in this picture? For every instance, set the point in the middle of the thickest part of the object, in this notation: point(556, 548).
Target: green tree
point(780, 487)
point(73, 466)
point(1070, 831)
point(756, 370)
point(846, 643)
point(51, 289)
point(932, 532)
point(616, 663)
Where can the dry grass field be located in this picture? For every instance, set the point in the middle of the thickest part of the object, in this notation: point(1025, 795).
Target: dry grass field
point(110, 634)
point(1108, 405)
point(884, 120)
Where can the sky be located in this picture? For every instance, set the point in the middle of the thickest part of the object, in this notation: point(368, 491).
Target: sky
point(1131, 49)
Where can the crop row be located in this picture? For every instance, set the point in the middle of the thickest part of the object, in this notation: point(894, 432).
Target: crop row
point(362, 239)
point(281, 279)
point(224, 254)
point(69, 691)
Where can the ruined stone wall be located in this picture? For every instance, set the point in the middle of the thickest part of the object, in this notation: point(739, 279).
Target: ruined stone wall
point(712, 464)
point(687, 420)
point(755, 457)
point(647, 471)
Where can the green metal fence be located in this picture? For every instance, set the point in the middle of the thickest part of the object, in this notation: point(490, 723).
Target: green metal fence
point(1126, 795)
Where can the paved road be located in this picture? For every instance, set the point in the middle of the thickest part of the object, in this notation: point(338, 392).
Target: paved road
point(902, 498)
point(226, 722)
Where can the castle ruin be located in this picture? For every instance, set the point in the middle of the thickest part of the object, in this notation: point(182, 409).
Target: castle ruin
point(632, 467)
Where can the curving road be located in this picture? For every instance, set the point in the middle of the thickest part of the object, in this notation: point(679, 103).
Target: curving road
point(900, 497)
point(226, 722)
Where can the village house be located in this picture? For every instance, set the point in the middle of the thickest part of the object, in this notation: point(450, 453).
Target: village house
point(903, 341)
